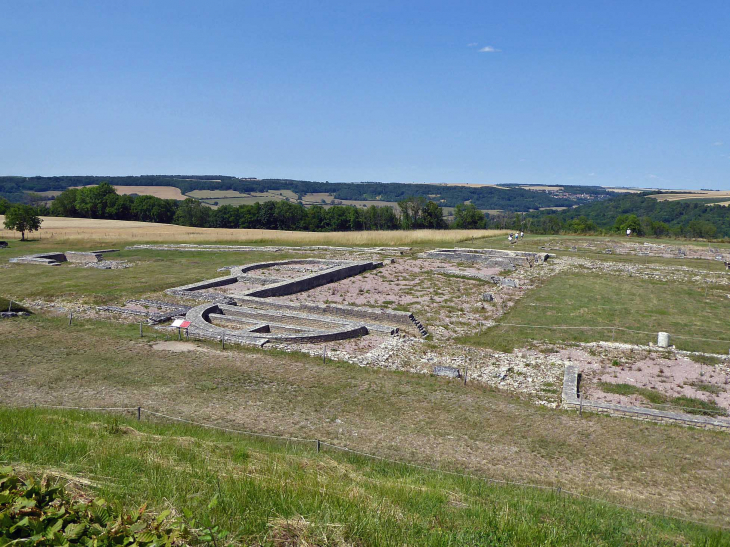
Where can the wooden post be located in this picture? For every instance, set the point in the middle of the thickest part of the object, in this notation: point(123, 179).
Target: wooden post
point(70, 318)
point(10, 307)
point(324, 355)
point(223, 341)
point(179, 334)
point(580, 398)
point(466, 372)
point(139, 413)
point(318, 446)
point(140, 329)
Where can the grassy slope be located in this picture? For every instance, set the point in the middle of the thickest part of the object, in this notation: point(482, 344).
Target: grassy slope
point(414, 417)
point(342, 498)
point(579, 299)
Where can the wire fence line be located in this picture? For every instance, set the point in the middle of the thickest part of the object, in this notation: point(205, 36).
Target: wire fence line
point(320, 443)
point(568, 327)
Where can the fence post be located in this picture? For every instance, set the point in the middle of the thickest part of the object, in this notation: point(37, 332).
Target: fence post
point(223, 341)
point(324, 355)
point(140, 329)
point(139, 413)
point(10, 307)
point(318, 446)
point(70, 318)
point(580, 398)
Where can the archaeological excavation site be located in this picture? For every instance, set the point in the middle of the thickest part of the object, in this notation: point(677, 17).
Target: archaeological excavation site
point(465, 314)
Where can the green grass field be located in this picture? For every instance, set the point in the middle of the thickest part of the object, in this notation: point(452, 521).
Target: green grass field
point(271, 493)
point(152, 273)
point(578, 300)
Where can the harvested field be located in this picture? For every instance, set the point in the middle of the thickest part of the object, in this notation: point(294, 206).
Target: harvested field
point(56, 228)
point(699, 194)
point(162, 192)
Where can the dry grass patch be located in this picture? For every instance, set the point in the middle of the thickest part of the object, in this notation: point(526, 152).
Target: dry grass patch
point(56, 228)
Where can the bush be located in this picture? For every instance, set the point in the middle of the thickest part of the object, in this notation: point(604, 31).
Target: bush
point(36, 513)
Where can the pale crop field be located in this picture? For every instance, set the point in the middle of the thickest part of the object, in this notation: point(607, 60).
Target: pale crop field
point(700, 194)
point(56, 228)
point(162, 192)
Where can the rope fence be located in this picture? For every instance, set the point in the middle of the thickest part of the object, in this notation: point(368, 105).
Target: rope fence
point(623, 329)
point(319, 444)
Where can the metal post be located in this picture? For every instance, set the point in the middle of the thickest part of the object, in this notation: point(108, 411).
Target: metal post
point(139, 413)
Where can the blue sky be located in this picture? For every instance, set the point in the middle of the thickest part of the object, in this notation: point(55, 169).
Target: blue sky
point(628, 93)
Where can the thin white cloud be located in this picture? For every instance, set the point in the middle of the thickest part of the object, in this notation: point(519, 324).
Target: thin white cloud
point(718, 143)
point(489, 49)
point(473, 44)
point(591, 174)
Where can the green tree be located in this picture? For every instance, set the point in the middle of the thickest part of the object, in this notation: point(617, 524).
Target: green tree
point(4, 205)
point(22, 218)
point(65, 204)
point(468, 217)
point(192, 212)
point(433, 216)
point(411, 210)
point(93, 201)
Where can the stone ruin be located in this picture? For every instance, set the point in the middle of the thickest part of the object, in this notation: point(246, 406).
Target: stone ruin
point(490, 258)
point(239, 307)
point(56, 258)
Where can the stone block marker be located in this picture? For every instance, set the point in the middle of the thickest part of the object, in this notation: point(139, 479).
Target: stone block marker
point(663, 340)
point(449, 372)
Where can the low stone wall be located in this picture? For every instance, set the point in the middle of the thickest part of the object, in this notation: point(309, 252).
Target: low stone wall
point(276, 315)
point(402, 318)
point(492, 258)
point(83, 257)
point(201, 326)
point(312, 281)
point(46, 259)
point(571, 399)
point(270, 249)
point(339, 270)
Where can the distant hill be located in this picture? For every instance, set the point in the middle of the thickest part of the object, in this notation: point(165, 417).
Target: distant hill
point(510, 198)
point(644, 214)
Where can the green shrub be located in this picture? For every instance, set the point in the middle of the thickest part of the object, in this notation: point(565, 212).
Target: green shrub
point(36, 513)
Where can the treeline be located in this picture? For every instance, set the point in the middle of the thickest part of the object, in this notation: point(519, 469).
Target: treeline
point(642, 215)
point(103, 202)
point(486, 197)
